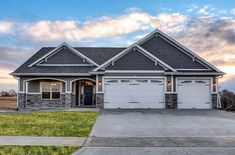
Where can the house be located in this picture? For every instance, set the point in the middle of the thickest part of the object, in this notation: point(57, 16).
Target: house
point(154, 72)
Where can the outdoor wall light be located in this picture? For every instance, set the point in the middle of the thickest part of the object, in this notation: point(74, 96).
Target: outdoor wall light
point(99, 83)
point(168, 83)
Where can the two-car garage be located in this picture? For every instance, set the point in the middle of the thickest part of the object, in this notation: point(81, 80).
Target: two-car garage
point(131, 93)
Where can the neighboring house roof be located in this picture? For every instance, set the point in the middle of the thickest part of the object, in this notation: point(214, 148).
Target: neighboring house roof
point(157, 47)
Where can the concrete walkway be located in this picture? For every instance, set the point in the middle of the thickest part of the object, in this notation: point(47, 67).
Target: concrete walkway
point(42, 141)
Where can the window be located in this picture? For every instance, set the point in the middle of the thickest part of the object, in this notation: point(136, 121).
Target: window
point(51, 90)
point(143, 81)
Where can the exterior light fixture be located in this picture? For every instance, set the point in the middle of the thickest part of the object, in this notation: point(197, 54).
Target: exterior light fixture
point(99, 83)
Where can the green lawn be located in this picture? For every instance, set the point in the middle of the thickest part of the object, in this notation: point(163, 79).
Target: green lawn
point(71, 124)
point(37, 150)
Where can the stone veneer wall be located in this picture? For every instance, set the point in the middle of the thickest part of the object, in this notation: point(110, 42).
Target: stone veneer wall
point(34, 100)
point(171, 100)
point(100, 100)
point(21, 101)
point(214, 101)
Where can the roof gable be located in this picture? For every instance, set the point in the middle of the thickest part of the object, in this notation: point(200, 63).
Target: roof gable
point(197, 62)
point(65, 48)
point(63, 56)
point(139, 49)
point(134, 60)
point(171, 55)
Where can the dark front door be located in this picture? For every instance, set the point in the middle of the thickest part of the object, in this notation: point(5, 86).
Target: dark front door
point(88, 92)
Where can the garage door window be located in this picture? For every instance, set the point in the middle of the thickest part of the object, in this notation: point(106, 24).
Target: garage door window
point(156, 81)
point(188, 81)
point(200, 81)
point(142, 81)
point(125, 81)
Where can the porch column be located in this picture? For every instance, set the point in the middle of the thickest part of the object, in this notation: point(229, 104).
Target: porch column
point(170, 95)
point(21, 95)
point(99, 92)
point(68, 95)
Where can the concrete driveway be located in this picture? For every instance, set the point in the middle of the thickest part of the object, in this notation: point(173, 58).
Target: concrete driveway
point(164, 123)
point(162, 132)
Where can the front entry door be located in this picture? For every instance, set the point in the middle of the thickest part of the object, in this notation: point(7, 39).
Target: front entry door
point(88, 92)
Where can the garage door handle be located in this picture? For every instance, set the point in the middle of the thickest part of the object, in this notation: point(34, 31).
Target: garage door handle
point(207, 103)
point(179, 85)
point(134, 102)
point(133, 84)
point(160, 102)
point(106, 102)
point(180, 102)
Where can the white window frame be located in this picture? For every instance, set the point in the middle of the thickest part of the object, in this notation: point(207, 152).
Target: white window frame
point(61, 85)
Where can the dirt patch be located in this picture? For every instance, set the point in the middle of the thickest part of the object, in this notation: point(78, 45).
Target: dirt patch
point(8, 103)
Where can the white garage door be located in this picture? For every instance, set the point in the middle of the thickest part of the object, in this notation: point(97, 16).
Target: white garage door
point(194, 94)
point(134, 93)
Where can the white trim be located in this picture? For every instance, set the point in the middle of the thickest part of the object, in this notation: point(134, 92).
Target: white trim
point(192, 73)
point(33, 93)
point(154, 57)
point(178, 44)
point(57, 48)
point(53, 74)
point(65, 65)
point(71, 82)
point(134, 71)
point(172, 83)
point(140, 49)
point(44, 78)
point(182, 69)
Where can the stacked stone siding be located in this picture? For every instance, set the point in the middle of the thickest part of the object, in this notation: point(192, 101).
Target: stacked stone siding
point(214, 101)
point(100, 100)
point(21, 101)
point(35, 101)
point(171, 101)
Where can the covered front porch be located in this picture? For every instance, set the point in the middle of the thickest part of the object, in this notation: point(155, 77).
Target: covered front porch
point(54, 92)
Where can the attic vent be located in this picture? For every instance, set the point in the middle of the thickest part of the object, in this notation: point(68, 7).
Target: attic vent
point(193, 59)
point(64, 47)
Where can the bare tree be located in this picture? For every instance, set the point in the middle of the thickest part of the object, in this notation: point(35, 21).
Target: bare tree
point(227, 99)
point(12, 92)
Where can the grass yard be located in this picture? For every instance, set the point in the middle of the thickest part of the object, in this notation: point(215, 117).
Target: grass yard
point(37, 150)
point(8, 103)
point(61, 124)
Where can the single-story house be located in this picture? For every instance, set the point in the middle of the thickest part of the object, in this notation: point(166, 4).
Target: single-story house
point(154, 72)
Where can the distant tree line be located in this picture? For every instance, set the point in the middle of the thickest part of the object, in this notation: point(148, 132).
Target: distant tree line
point(11, 92)
point(227, 100)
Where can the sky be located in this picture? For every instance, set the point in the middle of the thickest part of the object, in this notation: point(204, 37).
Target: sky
point(207, 27)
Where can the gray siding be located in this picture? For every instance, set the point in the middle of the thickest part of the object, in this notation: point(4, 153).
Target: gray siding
point(170, 54)
point(134, 60)
point(65, 56)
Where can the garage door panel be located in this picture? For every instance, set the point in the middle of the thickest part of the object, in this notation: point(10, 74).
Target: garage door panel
point(194, 94)
point(134, 93)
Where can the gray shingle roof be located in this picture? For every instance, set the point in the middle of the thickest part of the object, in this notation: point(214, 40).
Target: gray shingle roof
point(97, 54)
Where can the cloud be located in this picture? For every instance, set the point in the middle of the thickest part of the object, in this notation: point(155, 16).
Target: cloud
point(12, 57)
point(6, 27)
point(103, 27)
point(232, 11)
